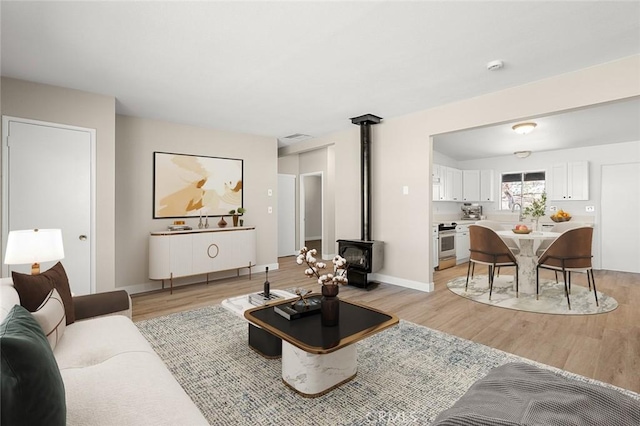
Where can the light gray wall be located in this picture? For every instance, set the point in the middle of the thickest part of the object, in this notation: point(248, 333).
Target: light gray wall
point(136, 140)
point(42, 102)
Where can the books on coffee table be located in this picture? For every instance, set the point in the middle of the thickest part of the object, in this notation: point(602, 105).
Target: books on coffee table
point(299, 309)
point(259, 299)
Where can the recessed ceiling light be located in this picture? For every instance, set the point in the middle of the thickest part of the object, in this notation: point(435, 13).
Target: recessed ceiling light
point(522, 154)
point(524, 128)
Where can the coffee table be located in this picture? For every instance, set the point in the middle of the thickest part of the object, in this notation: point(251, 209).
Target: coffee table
point(263, 342)
point(317, 359)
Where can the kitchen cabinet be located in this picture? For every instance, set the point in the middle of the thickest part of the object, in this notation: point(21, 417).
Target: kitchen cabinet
point(453, 184)
point(447, 183)
point(569, 181)
point(185, 253)
point(477, 185)
point(486, 185)
point(462, 244)
point(471, 185)
point(437, 183)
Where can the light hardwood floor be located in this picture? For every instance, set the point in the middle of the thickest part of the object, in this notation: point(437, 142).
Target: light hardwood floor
point(605, 347)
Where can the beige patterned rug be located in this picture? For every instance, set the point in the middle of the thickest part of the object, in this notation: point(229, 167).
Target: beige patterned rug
point(552, 299)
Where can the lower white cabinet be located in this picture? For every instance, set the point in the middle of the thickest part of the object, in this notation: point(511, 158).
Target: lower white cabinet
point(185, 253)
point(462, 244)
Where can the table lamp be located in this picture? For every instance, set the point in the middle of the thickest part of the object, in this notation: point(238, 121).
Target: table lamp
point(33, 246)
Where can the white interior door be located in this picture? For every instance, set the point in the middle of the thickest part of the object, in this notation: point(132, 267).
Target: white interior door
point(48, 183)
point(620, 236)
point(286, 215)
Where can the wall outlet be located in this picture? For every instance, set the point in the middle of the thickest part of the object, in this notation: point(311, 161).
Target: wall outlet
point(553, 208)
point(590, 209)
point(269, 193)
point(269, 209)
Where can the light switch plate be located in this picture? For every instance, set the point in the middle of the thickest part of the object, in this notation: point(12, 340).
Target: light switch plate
point(590, 209)
point(405, 190)
point(269, 209)
point(269, 193)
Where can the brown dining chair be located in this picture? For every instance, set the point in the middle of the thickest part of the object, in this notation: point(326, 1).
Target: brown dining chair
point(570, 252)
point(487, 248)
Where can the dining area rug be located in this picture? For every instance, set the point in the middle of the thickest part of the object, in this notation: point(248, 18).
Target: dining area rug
point(552, 299)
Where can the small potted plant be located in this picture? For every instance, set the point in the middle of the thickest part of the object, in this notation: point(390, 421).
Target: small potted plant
point(236, 214)
point(536, 210)
point(241, 211)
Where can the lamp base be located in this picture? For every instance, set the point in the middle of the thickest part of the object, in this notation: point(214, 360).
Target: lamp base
point(35, 268)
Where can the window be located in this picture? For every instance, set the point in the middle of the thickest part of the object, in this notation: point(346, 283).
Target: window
point(520, 189)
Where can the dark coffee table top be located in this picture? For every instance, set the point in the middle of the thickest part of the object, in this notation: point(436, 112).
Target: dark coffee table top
point(356, 323)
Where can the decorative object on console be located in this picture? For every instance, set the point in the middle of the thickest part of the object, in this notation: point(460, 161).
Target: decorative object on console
point(34, 246)
point(221, 223)
point(330, 303)
point(184, 184)
point(236, 215)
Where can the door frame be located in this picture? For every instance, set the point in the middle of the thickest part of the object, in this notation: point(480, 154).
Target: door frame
point(5, 187)
point(302, 220)
point(281, 194)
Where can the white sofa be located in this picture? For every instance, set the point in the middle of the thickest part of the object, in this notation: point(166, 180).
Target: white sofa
point(111, 374)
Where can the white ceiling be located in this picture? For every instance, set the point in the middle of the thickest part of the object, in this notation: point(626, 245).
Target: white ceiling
point(609, 123)
point(279, 68)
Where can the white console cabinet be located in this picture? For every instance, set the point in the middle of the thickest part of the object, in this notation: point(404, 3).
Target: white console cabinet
point(184, 253)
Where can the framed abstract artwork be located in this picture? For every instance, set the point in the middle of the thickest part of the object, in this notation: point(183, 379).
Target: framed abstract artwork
point(191, 185)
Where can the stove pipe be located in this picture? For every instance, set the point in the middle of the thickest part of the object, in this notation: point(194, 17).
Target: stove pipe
point(365, 122)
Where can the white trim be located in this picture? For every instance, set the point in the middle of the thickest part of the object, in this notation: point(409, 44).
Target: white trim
point(302, 222)
point(5, 186)
point(401, 282)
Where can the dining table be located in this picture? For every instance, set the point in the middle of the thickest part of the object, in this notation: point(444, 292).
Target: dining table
point(527, 259)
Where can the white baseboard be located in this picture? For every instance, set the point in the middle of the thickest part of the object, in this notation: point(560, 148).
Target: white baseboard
point(196, 279)
point(401, 282)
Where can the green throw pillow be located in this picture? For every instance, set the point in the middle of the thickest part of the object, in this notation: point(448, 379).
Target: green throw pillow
point(32, 390)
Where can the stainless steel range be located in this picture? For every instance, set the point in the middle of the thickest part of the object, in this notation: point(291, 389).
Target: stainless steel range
point(446, 245)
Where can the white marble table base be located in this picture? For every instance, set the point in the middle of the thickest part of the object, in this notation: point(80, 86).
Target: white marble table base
point(313, 375)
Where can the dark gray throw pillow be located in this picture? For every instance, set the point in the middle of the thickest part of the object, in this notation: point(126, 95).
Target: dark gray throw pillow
point(32, 391)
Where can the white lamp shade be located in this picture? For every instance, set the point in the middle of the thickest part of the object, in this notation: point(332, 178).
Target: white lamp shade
point(33, 246)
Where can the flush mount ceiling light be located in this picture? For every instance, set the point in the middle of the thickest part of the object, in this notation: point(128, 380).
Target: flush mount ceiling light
point(522, 154)
point(524, 128)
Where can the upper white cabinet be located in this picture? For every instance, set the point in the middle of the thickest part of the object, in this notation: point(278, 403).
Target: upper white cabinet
point(486, 185)
point(471, 185)
point(477, 185)
point(569, 181)
point(452, 184)
point(447, 183)
point(437, 183)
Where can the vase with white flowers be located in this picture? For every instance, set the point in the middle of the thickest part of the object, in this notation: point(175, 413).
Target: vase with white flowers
point(329, 283)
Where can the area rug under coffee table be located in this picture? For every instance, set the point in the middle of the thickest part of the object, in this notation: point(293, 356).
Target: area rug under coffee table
point(552, 299)
point(406, 375)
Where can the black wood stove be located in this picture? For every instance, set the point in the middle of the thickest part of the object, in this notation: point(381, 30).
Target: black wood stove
point(363, 256)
